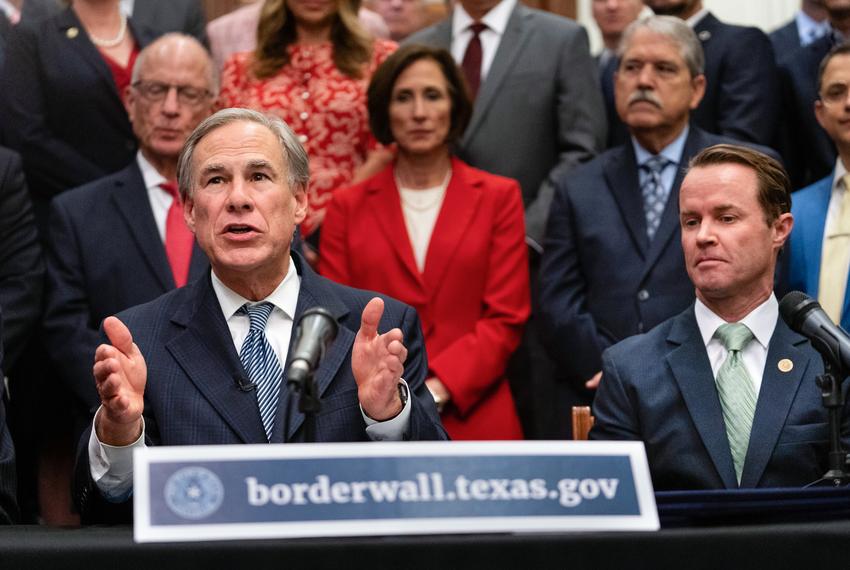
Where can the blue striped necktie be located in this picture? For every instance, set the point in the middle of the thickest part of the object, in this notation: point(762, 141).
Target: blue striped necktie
point(261, 362)
point(654, 193)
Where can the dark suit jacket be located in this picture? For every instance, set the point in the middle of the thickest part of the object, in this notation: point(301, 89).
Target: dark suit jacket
point(186, 16)
point(539, 112)
point(21, 263)
point(8, 502)
point(105, 255)
point(659, 388)
point(808, 151)
point(601, 280)
point(192, 395)
point(473, 295)
point(809, 207)
point(785, 40)
point(64, 112)
point(741, 99)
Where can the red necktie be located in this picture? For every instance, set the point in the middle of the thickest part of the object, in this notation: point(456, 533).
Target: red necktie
point(178, 238)
point(471, 63)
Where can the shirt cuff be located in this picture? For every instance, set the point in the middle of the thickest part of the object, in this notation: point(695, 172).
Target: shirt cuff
point(392, 429)
point(111, 466)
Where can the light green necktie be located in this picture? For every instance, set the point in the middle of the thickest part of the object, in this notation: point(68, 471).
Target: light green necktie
point(736, 391)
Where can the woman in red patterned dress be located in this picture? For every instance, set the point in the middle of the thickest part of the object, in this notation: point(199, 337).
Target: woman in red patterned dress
point(311, 68)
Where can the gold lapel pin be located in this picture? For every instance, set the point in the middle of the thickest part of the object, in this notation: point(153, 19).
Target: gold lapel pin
point(785, 365)
point(72, 33)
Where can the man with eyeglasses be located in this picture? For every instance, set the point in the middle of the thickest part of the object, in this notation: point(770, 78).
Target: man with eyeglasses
point(820, 243)
point(121, 240)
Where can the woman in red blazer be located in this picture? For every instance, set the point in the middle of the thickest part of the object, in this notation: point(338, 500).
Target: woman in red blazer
point(441, 236)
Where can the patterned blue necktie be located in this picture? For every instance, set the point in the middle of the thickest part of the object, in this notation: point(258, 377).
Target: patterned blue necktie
point(654, 193)
point(261, 362)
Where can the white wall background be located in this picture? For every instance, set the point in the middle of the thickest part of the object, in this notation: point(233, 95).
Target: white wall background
point(765, 14)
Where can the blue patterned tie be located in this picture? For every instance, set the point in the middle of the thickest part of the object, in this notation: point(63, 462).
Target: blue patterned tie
point(736, 391)
point(654, 193)
point(261, 362)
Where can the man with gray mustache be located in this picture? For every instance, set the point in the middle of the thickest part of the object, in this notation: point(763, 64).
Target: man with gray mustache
point(612, 265)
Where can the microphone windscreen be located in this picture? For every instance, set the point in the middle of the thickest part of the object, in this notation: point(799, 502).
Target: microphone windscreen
point(794, 307)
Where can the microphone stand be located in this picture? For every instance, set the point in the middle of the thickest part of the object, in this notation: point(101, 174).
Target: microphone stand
point(833, 400)
point(308, 403)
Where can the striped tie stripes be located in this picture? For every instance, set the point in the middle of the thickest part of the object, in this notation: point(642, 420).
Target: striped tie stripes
point(261, 363)
point(736, 391)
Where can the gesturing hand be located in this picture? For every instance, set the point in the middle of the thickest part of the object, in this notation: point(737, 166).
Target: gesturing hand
point(377, 361)
point(120, 375)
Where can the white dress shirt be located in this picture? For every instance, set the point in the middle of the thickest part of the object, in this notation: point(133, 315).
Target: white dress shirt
point(761, 321)
point(12, 13)
point(496, 20)
point(112, 466)
point(159, 198)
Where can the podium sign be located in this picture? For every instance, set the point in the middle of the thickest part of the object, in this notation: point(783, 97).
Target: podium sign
point(299, 490)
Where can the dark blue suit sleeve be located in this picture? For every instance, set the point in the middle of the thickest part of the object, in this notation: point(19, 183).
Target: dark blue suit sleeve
point(613, 411)
point(572, 335)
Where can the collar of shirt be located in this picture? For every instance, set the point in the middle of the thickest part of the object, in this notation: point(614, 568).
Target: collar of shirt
point(127, 7)
point(279, 326)
point(761, 321)
point(12, 13)
point(160, 200)
point(810, 29)
point(697, 18)
point(672, 152)
point(284, 297)
point(496, 20)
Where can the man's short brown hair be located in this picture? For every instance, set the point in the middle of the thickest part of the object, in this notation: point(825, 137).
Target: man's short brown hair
point(774, 187)
point(380, 90)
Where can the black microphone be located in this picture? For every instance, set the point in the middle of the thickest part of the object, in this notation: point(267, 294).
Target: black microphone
point(314, 332)
point(244, 384)
point(805, 315)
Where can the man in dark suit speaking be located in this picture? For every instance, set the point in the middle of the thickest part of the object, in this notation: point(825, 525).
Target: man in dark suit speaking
point(723, 395)
point(207, 363)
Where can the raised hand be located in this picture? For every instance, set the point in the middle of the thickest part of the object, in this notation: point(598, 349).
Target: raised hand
point(377, 361)
point(120, 375)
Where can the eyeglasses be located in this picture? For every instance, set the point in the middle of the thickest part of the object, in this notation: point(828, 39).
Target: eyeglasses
point(157, 91)
point(835, 93)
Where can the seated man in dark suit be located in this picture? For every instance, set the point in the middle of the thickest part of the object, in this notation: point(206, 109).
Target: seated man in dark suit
point(204, 364)
point(612, 264)
point(741, 99)
point(820, 245)
point(723, 395)
point(121, 240)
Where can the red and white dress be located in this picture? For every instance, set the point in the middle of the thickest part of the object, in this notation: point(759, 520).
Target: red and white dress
point(325, 108)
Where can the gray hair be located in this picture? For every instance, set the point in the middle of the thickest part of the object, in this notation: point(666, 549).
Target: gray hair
point(294, 155)
point(212, 78)
point(675, 30)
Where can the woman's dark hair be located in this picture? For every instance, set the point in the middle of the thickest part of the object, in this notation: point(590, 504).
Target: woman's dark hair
point(383, 81)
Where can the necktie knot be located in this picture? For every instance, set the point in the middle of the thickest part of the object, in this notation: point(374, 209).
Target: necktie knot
point(656, 165)
point(734, 336)
point(258, 313)
point(477, 27)
point(172, 189)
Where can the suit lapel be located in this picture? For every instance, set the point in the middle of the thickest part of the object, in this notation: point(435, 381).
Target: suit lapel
point(385, 205)
point(692, 371)
point(313, 293)
point(205, 352)
point(776, 395)
point(512, 42)
point(459, 206)
point(131, 200)
point(621, 174)
point(669, 225)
